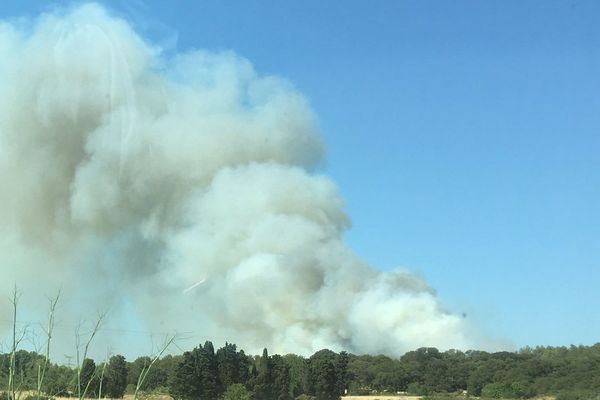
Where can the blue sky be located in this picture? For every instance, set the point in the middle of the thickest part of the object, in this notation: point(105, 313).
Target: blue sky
point(463, 135)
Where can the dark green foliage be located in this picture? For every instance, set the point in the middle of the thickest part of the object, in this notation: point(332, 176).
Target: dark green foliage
point(196, 375)
point(577, 395)
point(237, 391)
point(26, 367)
point(227, 363)
point(233, 366)
point(280, 378)
point(569, 373)
point(305, 397)
point(295, 364)
point(270, 378)
point(87, 378)
point(208, 371)
point(115, 380)
point(184, 381)
point(322, 377)
point(342, 376)
point(60, 381)
point(158, 376)
point(444, 396)
point(262, 379)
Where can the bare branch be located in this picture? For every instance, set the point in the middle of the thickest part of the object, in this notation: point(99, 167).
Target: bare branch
point(81, 395)
point(17, 338)
point(146, 370)
point(49, 330)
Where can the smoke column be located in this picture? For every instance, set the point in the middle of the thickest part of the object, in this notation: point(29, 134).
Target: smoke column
point(185, 184)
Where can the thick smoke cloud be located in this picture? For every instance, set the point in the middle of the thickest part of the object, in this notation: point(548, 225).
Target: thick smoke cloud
point(185, 184)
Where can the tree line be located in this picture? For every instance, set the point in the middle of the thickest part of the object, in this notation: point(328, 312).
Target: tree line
point(203, 373)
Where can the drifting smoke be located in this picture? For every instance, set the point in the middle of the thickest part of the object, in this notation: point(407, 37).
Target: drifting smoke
point(186, 185)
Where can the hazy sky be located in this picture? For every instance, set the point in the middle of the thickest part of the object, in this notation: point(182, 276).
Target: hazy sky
point(464, 137)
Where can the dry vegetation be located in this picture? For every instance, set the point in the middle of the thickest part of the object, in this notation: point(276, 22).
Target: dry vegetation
point(382, 397)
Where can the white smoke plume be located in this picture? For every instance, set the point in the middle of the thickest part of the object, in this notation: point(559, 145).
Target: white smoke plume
point(187, 185)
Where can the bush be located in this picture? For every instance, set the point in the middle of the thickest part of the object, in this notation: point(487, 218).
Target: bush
point(160, 390)
point(237, 391)
point(418, 389)
point(305, 397)
point(360, 391)
point(494, 391)
point(576, 395)
point(515, 390)
point(36, 398)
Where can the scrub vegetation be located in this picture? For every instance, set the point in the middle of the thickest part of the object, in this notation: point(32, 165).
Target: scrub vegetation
point(204, 373)
point(568, 373)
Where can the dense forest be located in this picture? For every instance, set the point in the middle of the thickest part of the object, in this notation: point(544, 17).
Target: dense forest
point(205, 373)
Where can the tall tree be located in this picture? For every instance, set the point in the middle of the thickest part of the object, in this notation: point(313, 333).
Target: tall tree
point(208, 371)
point(116, 377)
point(295, 364)
point(184, 382)
point(322, 375)
point(280, 375)
point(232, 366)
point(341, 373)
point(263, 381)
point(88, 371)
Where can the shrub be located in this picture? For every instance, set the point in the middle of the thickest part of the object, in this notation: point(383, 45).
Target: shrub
point(160, 390)
point(130, 389)
point(237, 391)
point(576, 395)
point(36, 398)
point(418, 389)
point(305, 397)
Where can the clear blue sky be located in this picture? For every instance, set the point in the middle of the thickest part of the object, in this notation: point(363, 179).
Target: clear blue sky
point(464, 136)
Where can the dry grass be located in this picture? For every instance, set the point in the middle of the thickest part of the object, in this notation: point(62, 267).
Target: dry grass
point(382, 397)
point(149, 397)
point(128, 397)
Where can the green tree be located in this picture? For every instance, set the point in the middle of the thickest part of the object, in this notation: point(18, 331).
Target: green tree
point(88, 371)
point(237, 391)
point(208, 371)
point(295, 364)
point(263, 379)
point(322, 375)
point(341, 373)
point(232, 366)
point(280, 375)
point(196, 375)
point(116, 377)
point(184, 382)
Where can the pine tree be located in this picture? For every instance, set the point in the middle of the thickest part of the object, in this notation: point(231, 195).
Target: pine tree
point(232, 366)
point(184, 383)
point(280, 375)
point(322, 375)
point(263, 388)
point(208, 371)
point(341, 373)
point(87, 374)
point(116, 377)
